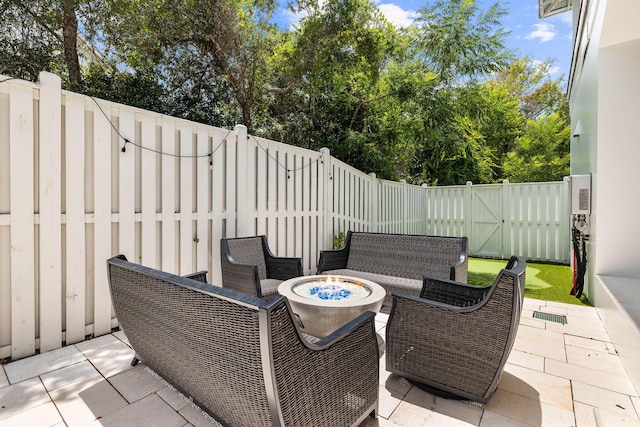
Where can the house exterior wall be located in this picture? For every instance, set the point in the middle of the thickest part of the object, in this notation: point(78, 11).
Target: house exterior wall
point(604, 97)
point(618, 158)
point(582, 100)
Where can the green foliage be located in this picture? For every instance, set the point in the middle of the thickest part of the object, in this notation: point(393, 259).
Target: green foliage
point(457, 40)
point(30, 39)
point(136, 89)
point(335, 58)
point(542, 153)
point(338, 240)
point(442, 101)
point(538, 94)
point(226, 42)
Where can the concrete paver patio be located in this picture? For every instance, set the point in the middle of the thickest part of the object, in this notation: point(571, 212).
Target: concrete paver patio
point(557, 375)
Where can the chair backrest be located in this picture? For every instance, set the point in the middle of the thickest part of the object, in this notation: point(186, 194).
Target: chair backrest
point(402, 255)
point(203, 339)
point(249, 250)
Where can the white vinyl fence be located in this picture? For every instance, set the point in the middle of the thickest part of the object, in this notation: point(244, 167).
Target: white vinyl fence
point(83, 179)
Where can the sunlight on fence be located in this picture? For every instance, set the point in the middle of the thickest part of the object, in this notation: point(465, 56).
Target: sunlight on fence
point(83, 179)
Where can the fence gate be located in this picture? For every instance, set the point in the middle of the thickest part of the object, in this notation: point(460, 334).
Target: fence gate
point(487, 223)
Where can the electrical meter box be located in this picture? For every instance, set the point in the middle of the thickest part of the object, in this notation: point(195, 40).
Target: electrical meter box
point(580, 186)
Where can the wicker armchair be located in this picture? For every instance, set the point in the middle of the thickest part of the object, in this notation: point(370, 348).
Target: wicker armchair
point(242, 359)
point(455, 338)
point(248, 266)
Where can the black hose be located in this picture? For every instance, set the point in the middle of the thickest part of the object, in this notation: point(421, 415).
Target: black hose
point(580, 251)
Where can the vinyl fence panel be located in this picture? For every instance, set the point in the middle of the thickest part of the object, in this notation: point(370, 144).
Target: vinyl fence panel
point(83, 179)
point(74, 220)
point(23, 275)
point(49, 208)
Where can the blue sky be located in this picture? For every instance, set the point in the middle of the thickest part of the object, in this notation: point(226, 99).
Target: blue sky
point(541, 39)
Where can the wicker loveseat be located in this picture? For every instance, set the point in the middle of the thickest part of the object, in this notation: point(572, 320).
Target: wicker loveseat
point(242, 359)
point(248, 266)
point(397, 261)
point(456, 338)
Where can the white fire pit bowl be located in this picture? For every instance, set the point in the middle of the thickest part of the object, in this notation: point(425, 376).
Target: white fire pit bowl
point(325, 303)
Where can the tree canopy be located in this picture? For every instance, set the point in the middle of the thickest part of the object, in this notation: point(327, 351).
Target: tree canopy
point(441, 101)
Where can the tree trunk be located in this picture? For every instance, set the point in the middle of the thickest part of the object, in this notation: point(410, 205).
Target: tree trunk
point(246, 117)
point(70, 40)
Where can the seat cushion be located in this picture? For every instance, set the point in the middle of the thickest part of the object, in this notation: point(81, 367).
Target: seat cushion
point(400, 285)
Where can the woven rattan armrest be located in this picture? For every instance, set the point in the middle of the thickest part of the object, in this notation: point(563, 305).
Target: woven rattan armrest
point(366, 318)
point(200, 276)
point(333, 260)
point(460, 270)
point(452, 292)
point(241, 277)
point(282, 268)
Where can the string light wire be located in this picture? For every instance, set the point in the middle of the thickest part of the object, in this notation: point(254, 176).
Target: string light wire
point(128, 141)
point(193, 156)
point(283, 166)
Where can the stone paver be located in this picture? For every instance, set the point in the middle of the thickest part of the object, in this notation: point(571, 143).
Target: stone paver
point(557, 375)
point(151, 411)
point(44, 415)
point(109, 355)
point(22, 396)
point(607, 400)
point(42, 363)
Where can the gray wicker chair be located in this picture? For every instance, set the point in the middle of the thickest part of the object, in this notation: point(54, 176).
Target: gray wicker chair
point(242, 359)
point(455, 338)
point(248, 266)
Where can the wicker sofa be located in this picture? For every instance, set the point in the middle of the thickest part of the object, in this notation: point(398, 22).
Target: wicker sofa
point(397, 261)
point(456, 338)
point(241, 358)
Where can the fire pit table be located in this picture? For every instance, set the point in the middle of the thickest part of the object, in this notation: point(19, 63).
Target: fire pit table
point(324, 303)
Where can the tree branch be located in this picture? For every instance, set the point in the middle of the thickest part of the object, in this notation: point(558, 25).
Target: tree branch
point(366, 101)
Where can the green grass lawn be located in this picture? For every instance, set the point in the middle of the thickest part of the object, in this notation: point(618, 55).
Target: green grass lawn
point(549, 282)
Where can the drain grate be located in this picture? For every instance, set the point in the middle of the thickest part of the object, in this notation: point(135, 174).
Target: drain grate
point(558, 318)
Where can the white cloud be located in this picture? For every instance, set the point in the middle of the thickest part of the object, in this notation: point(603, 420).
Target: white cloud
point(543, 32)
point(397, 15)
point(554, 70)
point(293, 19)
